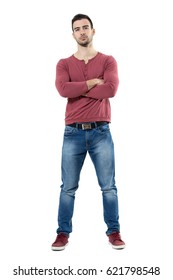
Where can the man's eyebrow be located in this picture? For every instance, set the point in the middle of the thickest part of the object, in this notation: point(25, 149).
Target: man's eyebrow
point(77, 27)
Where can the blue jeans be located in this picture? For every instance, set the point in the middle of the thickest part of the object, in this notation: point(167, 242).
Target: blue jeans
point(98, 143)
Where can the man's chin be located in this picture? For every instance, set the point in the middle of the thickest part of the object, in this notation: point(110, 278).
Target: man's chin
point(84, 44)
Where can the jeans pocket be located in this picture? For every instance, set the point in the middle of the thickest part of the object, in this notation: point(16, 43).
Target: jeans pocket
point(70, 130)
point(103, 128)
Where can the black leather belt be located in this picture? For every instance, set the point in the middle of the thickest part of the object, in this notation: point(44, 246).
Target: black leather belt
point(87, 125)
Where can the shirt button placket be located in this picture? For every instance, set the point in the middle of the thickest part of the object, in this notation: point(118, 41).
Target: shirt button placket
point(86, 72)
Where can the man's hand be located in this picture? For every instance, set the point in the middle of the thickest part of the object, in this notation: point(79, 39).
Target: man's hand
point(94, 82)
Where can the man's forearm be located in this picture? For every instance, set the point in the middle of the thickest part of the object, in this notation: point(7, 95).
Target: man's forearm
point(102, 91)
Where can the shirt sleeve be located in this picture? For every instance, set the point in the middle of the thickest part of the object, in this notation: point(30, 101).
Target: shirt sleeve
point(111, 81)
point(63, 84)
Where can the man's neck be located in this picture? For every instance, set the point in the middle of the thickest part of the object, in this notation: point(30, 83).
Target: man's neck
point(85, 53)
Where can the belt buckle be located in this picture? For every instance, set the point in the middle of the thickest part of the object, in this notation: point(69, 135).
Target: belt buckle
point(86, 126)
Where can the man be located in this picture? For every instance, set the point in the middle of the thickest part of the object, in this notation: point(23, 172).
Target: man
point(87, 79)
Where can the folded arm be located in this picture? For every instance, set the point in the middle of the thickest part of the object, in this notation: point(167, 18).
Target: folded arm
point(109, 87)
point(65, 87)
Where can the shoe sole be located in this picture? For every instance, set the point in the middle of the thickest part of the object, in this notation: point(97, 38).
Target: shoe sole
point(58, 248)
point(117, 247)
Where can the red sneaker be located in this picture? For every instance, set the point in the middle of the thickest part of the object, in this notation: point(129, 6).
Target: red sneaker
point(116, 241)
point(61, 242)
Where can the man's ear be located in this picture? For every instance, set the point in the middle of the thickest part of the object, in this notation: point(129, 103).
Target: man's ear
point(94, 31)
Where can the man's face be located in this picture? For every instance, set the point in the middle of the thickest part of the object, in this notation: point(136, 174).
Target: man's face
point(82, 32)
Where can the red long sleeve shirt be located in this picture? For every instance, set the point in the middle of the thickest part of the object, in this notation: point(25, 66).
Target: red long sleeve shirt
point(71, 77)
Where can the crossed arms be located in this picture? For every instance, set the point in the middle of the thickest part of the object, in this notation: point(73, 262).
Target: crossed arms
point(97, 88)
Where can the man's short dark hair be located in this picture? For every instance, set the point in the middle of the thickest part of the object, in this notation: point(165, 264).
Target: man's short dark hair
point(79, 17)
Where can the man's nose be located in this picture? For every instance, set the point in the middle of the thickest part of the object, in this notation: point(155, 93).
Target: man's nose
point(82, 31)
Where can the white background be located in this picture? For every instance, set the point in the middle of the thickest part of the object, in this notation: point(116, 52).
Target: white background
point(35, 34)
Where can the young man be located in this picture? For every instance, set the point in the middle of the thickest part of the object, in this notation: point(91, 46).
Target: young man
point(87, 79)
